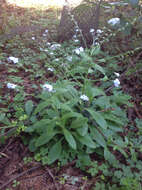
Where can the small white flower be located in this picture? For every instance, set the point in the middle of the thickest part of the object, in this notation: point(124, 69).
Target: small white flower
point(117, 74)
point(44, 35)
point(50, 69)
point(92, 30)
point(33, 38)
point(69, 58)
point(11, 85)
point(114, 21)
point(46, 50)
point(76, 40)
point(14, 59)
point(96, 44)
point(48, 43)
point(64, 65)
point(41, 49)
point(116, 82)
point(84, 97)
point(74, 36)
point(99, 31)
point(48, 87)
point(51, 53)
point(57, 59)
point(77, 29)
point(46, 31)
point(79, 50)
point(55, 46)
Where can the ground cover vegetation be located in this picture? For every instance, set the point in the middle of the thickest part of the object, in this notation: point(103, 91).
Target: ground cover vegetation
point(73, 104)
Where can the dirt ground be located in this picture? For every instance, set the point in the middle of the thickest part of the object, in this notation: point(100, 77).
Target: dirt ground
point(33, 176)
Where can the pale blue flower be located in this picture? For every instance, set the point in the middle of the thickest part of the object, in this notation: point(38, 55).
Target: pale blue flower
point(116, 83)
point(11, 85)
point(48, 87)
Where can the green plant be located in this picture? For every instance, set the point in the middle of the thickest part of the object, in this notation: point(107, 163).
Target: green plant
point(15, 183)
point(27, 160)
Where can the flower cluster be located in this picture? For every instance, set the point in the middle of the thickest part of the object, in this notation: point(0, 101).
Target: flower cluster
point(48, 87)
point(116, 82)
point(13, 59)
point(114, 21)
point(79, 50)
point(11, 85)
point(45, 33)
point(84, 97)
point(55, 46)
point(50, 69)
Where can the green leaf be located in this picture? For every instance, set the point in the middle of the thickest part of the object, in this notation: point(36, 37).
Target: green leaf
point(112, 117)
point(97, 91)
point(70, 115)
point(95, 50)
point(83, 130)
point(86, 140)
point(29, 107)
point(54, 152)
point(110, 157)
point(103, 102)
point(2, 116)
point(99, 68)
point(41, 106)
point(97, 136)
point(45, 138)
point(69, 138)
point(79, 122)
point(98, 118)
point(43, 123)
point(92, 91)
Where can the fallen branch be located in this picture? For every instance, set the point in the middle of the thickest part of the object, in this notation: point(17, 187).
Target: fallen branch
point(19, 175)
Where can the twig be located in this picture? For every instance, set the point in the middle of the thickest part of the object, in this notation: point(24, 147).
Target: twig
point(137, 112)
point(84, 185)
point(3, 154)
point(19, 175)
point(53, 178)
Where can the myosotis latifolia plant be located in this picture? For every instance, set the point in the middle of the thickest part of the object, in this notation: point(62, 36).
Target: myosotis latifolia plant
point(83, 112)
point(72, 117)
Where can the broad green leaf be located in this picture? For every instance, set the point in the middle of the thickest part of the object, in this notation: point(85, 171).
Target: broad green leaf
point(103, 102)
point(69, 138)
point(54, 152)
point(41, 106)
point(2, 116)
point(66, 107)
point(109, 157)
point(32, 146)
point(69, 115)
point(45, 138)
point(29, 107)
point(86, 140)
point(79, 122)
point(112, 117)
point(97, 91)
point(95, 50)
point(92, 91)
point(83, 130)
point(99, 68)
point(97, 136)
point(98, 118)
point(38, 125)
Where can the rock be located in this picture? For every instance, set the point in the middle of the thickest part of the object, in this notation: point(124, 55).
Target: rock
point(85, 16)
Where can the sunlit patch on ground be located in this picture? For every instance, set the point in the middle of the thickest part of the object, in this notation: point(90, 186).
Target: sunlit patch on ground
point(41, 3)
